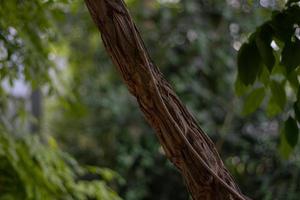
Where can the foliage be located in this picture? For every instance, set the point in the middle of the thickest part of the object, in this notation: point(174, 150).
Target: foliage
point(269, 62)
point(30, 169)
point(25, 38)
point(93, 117)
point(189, 40)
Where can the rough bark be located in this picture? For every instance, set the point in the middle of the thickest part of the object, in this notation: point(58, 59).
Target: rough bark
point(184, 142)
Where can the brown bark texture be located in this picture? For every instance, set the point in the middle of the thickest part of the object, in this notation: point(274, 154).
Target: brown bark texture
point(184, 142)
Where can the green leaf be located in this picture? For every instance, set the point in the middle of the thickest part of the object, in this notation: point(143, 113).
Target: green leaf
point(279, 70)
point(297, 106)
point(272, 108)
point(291, 132)
point(253, 101)
point(240, 87)
point(264, 76)
point(284, 148)
point(282, 24)
point(249, 63)
point(293, 80)
point(278, 93)
point(291, 55)
point(263, 41)
point(297, 111)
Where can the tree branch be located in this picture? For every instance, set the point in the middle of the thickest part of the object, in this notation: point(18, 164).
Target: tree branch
point(183, 141)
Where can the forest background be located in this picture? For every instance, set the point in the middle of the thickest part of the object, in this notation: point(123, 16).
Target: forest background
point(70, 130)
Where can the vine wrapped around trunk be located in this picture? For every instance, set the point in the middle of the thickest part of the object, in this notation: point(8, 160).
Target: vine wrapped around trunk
point(184, 142)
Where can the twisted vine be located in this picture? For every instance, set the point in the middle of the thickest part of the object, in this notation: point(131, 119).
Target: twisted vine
point(184, 142)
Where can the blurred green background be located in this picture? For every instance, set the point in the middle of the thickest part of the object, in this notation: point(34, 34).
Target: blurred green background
point(69, 128)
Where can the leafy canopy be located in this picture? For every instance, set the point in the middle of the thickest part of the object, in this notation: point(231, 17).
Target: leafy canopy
point(268, 68)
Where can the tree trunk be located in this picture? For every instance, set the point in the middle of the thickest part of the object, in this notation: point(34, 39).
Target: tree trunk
point(36, 110)
point(184, 142)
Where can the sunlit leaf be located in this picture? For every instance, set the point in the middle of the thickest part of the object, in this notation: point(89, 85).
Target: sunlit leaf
point(272, 108)
point(278, 93)
point(264, 76)
point(240, 87)
point(253, 101)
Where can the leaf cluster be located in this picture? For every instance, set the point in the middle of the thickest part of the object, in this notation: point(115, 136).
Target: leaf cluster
point(268, 67)
point(30, 169)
